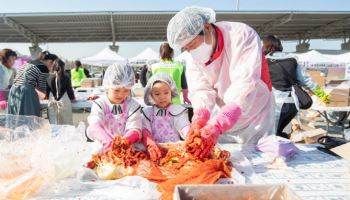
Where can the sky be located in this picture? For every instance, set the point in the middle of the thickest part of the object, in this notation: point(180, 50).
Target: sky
point(129, 49)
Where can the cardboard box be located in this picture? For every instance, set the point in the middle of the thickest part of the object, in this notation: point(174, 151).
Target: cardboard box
point(339, 97)
point(320, 80)
point(316, 77)
point(335, 82)
point(234, 192)
point(343, 151)
point(90, 82)
point(336, 73)
point(309, 137)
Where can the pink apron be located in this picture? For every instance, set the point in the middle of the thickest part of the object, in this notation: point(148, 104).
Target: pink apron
point(162, 129)
point(115, 119)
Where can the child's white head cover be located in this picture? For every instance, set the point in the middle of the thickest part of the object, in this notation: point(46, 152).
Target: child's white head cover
point(119, 76)
point(161, 77)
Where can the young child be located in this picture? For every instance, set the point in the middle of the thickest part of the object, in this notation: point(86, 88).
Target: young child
point(116, 112)
point(60, 93)
point(163, 122)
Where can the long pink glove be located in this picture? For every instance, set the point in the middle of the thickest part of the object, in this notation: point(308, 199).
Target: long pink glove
point(3, 105)
point(201, 117)
point(132, 136)
point(222, 122)
point(153, 149)
point(185, 96)
point(97, 133)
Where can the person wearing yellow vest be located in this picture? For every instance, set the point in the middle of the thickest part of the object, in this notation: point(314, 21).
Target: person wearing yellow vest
point(77, 74)
point(174, 69)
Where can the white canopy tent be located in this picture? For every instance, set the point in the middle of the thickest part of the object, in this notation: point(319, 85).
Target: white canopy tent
point(105, 57)
point(342, 58)
point(314, 59)
point(145, 56)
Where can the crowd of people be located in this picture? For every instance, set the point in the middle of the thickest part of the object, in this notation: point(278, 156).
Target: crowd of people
point(236, 94)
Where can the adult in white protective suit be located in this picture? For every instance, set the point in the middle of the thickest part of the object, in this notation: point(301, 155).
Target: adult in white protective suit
point(230, 72)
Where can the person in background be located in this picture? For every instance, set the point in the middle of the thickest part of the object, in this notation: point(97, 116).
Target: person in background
point(282, 67)
point(229, 74)
point(60, 94)
point(116, 112)
point(77, 74)
point(163, 122)
point(7, 74)
point(174, 69)
point(143, 76)
point(30, 85)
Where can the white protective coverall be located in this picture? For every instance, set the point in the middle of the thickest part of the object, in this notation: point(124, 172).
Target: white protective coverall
point(235, 76)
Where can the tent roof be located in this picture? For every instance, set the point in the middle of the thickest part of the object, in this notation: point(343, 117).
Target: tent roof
point(345, 58)
point(151, 26)
point(314, 56)
point(147, 54)
point(104, 57)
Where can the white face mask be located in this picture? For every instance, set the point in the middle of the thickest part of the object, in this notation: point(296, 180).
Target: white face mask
point(202, 53)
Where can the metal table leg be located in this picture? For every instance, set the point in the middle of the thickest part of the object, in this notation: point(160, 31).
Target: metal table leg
point(339, 122)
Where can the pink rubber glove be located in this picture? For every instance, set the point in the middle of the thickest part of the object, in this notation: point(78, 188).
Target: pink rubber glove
point(225, 119)
point(97, 133)
point(201, 117)
point(210, 137)
point(153, 149)
point(185, 96)
point(222, 122)
point(132, 136)
point(3, 105)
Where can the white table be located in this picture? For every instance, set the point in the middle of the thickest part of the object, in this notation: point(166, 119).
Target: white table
point(76, 105)
point(341, 121)
point(312, 174)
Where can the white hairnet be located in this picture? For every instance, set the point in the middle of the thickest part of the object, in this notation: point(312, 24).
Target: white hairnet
point(163, 77)
point(118, 76)
point(187, 24)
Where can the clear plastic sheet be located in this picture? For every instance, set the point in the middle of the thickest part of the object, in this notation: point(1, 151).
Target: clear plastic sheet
point(34, 154)
point(88, 186)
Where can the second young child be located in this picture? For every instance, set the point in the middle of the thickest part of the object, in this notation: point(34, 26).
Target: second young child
point(163, 122)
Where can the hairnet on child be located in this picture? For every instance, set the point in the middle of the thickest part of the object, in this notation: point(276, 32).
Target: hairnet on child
point(162, 77)
point(119, 76)
point(187, 24)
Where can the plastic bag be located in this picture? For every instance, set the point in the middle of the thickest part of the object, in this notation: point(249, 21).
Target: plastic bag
point(88, 186)
point(276, 146)
point(35, 154)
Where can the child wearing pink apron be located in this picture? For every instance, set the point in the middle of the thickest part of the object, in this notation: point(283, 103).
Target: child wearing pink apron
point(116, 112)
point(162, 121)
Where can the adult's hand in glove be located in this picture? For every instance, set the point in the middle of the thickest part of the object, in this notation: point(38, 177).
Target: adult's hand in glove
point(199, 120)
point(223, 121)
point(153, 149)
point(319, 92)
point(209, 135)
